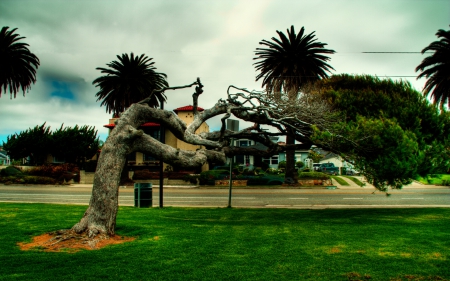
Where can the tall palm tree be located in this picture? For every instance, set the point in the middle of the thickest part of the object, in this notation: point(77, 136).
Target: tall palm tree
point(436, 68)
point(17, 64)
point(291, 61)
point(286, 65)
point(129, 80)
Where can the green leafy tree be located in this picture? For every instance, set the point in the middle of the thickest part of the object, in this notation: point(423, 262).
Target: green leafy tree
point(74, 145)
point(436, 68)
point(129, 80)
point(400, 134)
point(34, 143)
point(17, 64)
point(287, 64)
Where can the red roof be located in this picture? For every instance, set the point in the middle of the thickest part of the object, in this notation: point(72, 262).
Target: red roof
point(187, 108)
point(148, 124)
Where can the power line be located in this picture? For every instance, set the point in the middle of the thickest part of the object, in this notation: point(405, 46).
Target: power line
point(392, 52)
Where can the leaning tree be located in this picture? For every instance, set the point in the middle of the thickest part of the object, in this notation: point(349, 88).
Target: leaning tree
point(311, 117)
point(298, 116)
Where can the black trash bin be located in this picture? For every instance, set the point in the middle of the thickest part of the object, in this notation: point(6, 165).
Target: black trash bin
point(143, 195)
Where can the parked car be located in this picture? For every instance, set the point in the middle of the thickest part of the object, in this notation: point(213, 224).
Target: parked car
point(316, 167)
point(329, 168)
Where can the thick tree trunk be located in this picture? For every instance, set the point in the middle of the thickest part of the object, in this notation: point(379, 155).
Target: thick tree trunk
point(100, 217)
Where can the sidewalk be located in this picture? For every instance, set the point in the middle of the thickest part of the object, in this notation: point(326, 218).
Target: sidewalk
point(352, 185)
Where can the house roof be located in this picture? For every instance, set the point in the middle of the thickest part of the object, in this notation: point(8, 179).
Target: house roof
point(148, 124)
point(187, 108)
point(152, 124)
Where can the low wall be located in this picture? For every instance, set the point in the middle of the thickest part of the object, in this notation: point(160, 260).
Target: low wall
point(314, 182)
point(88, 178)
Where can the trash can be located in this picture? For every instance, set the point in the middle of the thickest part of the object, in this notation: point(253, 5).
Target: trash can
point(143, 195)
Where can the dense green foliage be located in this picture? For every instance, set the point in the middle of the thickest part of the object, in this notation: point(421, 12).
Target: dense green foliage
point(398, 133)
point(436, 68)
point(74, 145)
point(10, 171)
point(313, 175)
point(129, 80)
point(17, 64)
point(235, 244)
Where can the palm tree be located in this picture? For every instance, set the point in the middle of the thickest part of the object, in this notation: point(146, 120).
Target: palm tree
point(436, 68)
point(129, 80)
point(17, 64)
point(291, 61)
point(286, 65)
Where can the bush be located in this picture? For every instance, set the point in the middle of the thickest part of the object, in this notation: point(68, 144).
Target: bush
point(27, 180)
point(208, 177)
point(313, 175)
point(299, 164)
point(191, 178)
point(145, 174)
point(10, 171)
point(273, 171)
point(61, 173)
point(282, 165)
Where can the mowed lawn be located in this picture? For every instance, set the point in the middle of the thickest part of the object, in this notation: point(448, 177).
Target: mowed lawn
point(235, 244)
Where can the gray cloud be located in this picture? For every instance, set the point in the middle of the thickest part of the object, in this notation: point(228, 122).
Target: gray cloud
point(214, 40)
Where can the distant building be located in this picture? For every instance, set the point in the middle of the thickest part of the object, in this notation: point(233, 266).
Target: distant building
point(138, 159)
point(4, 158)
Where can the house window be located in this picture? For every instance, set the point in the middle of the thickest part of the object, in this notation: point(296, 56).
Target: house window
point(273, 160)
point(244, 143)
point(154, 133)
point(149, 158)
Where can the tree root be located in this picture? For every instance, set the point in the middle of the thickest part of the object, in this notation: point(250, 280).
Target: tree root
point(69, 241)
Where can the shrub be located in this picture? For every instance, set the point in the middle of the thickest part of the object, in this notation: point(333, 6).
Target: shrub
point(61, 172)
point(273, 171)
point(313, 175)
point(299, 164)
point(208, 177)
point(282, 165)
point(10, 171)
point(191, 178)
point(145, 174)
point(27, 180)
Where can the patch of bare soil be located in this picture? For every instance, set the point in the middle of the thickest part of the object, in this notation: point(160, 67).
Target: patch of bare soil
point(69, 241)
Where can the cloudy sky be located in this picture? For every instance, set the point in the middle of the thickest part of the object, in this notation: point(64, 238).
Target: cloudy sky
point(214, 40)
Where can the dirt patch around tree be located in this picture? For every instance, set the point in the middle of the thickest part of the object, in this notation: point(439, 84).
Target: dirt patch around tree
point(71, 242)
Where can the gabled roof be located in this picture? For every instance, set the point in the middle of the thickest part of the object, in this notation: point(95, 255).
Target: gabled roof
point(151, 124)
point(187, 108)
point(148, 124)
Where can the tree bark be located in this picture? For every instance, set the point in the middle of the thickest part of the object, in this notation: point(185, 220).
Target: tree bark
point(100, 217)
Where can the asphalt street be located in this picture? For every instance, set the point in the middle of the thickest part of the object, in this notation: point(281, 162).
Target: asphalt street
point(350, 197)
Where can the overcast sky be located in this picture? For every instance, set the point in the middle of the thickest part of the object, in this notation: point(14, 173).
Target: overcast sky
point(213, 40)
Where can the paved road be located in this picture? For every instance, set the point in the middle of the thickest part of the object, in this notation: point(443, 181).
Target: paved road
point(417, 196)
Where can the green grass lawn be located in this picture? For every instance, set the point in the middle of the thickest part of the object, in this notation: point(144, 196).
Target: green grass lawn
point(341, 181)
point(355, 180)
point(438, 179)
point(236, 244)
